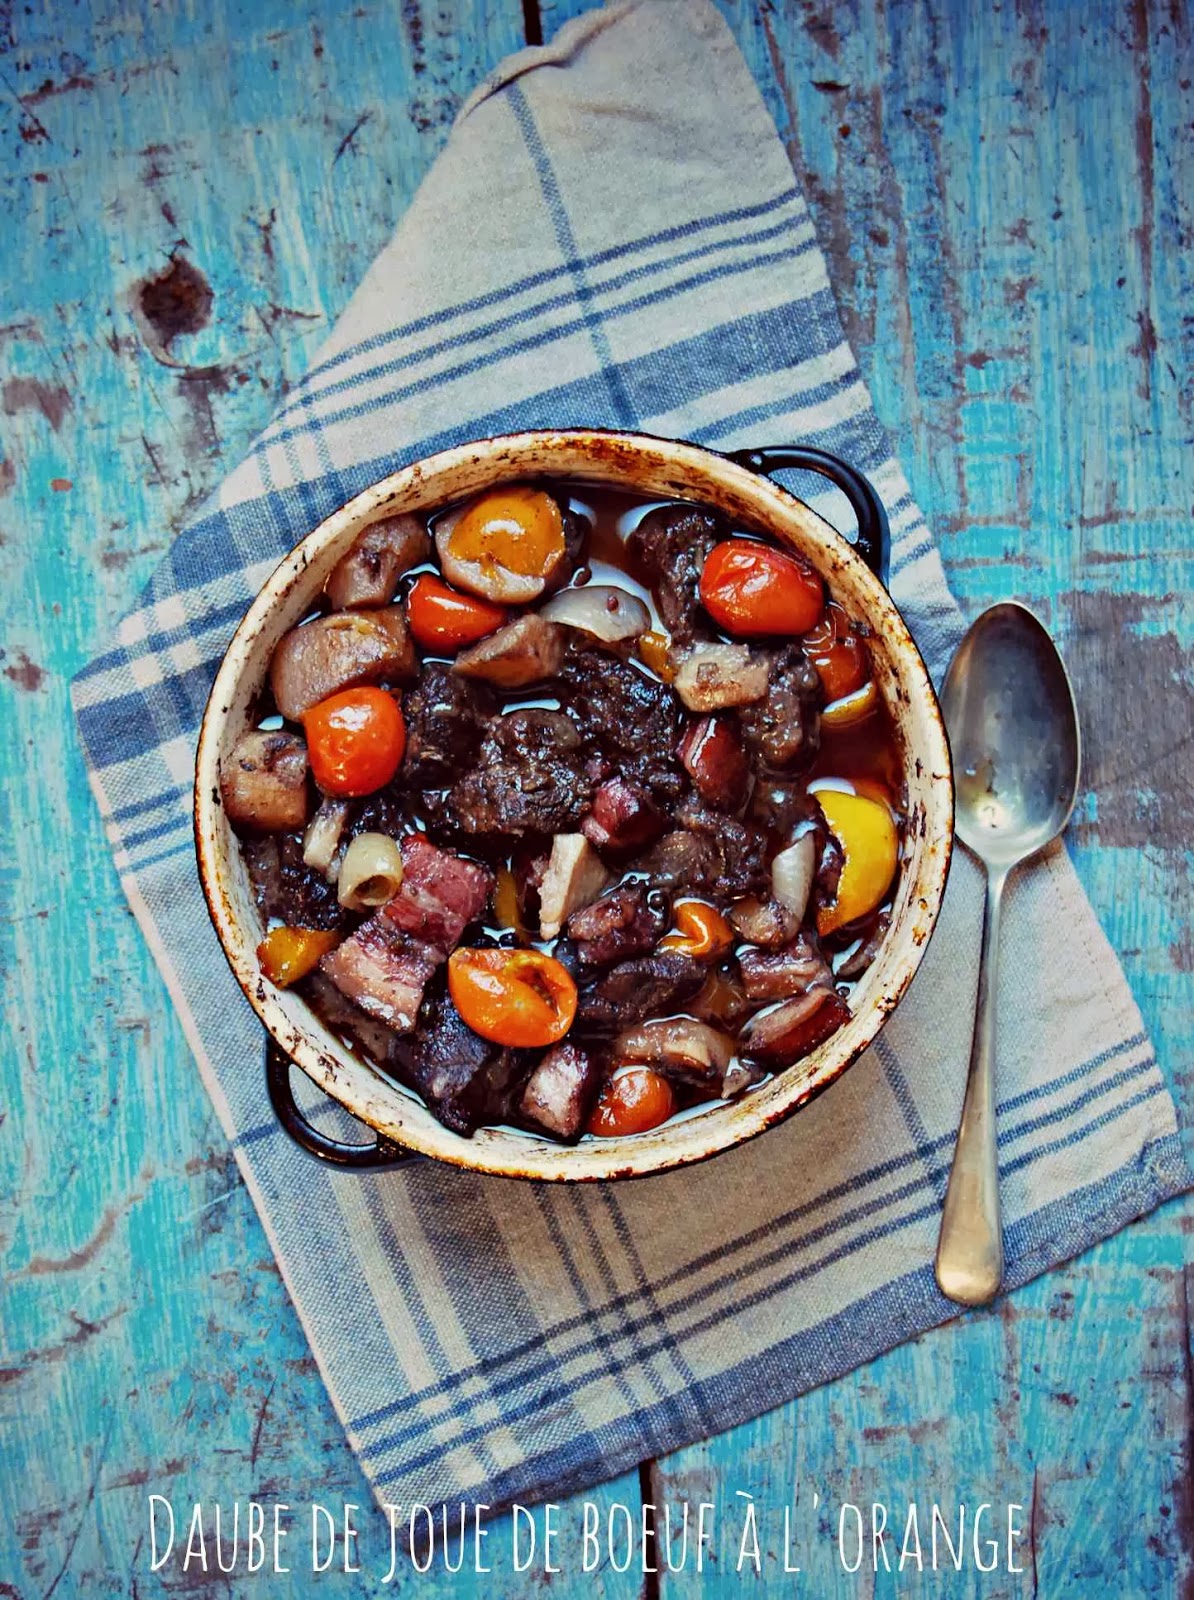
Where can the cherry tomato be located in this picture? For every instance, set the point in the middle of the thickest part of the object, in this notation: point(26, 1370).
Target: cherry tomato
point(441, 618)
point(636, 1101)
point(752, 590)
point(838, 653)
point(520, 998)
point(701, 930)
point(288, 954)
point(355, 741)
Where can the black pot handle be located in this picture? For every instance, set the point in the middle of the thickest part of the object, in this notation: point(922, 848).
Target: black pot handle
point(873, 540)
point(375, 1157)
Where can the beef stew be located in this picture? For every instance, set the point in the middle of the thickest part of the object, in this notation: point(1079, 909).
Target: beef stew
point(620, 808)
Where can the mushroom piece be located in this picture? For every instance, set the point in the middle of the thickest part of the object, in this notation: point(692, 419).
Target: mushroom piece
point(263, 782)
point(338, 652)
point(679, 1047)
point(607, 612)
point(559, 1094)
point(321, 841)
point(523, 652)
point(780, 1037)
point(575, 876)
point(781, 974)
point(764, 922)
point(711, 676)
point(369, 573)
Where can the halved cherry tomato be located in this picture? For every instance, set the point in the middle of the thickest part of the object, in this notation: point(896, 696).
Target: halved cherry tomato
point(701, 930)
point(520, 998)
point(288, 954)
point(866, 831)
point(441, 618)
point(838, 653)
point(636, 1101)
point(751, 590)
point(504, 545)
point(355, 741)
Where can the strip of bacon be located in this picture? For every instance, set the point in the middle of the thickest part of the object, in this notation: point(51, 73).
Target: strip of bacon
point(384, 971)
point(440, 894)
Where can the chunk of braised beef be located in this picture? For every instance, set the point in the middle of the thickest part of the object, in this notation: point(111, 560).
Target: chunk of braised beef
point(782, 807)
point(645, 986)
point(285, 887)
point(783, 729)
point(671, 545)
point(793, 969)
point(529, 777)
point(681, 860)
point(445, 715)
point(561, 1091)
point(623, 818)
point(621, 924)
point(389, 811)
point(465, 1080)
point(630, 717)
point(739, 846)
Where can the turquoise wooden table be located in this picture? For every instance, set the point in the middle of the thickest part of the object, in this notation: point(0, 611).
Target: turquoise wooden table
point(1006, 195)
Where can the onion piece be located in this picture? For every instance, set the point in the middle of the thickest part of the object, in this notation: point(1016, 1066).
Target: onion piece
point(792, 873)
point(680, 1048)
point(322, 838)
point(371, 872)
point(575, 876)
point(609, 613)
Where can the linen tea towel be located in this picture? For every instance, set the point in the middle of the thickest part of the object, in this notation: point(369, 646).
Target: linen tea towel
point(628, 248)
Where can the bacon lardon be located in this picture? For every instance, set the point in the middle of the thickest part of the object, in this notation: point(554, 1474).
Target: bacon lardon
point(440, 894)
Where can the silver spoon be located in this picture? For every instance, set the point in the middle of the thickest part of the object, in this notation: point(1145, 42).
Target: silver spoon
point(1013, 729)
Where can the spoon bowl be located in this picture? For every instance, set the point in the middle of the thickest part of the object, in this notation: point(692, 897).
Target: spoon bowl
point(1013, 730)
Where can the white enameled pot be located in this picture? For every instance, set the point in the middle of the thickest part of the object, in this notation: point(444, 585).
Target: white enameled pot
point(654, 469)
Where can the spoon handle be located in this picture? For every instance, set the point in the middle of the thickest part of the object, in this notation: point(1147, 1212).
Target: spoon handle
point(970, 1248)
